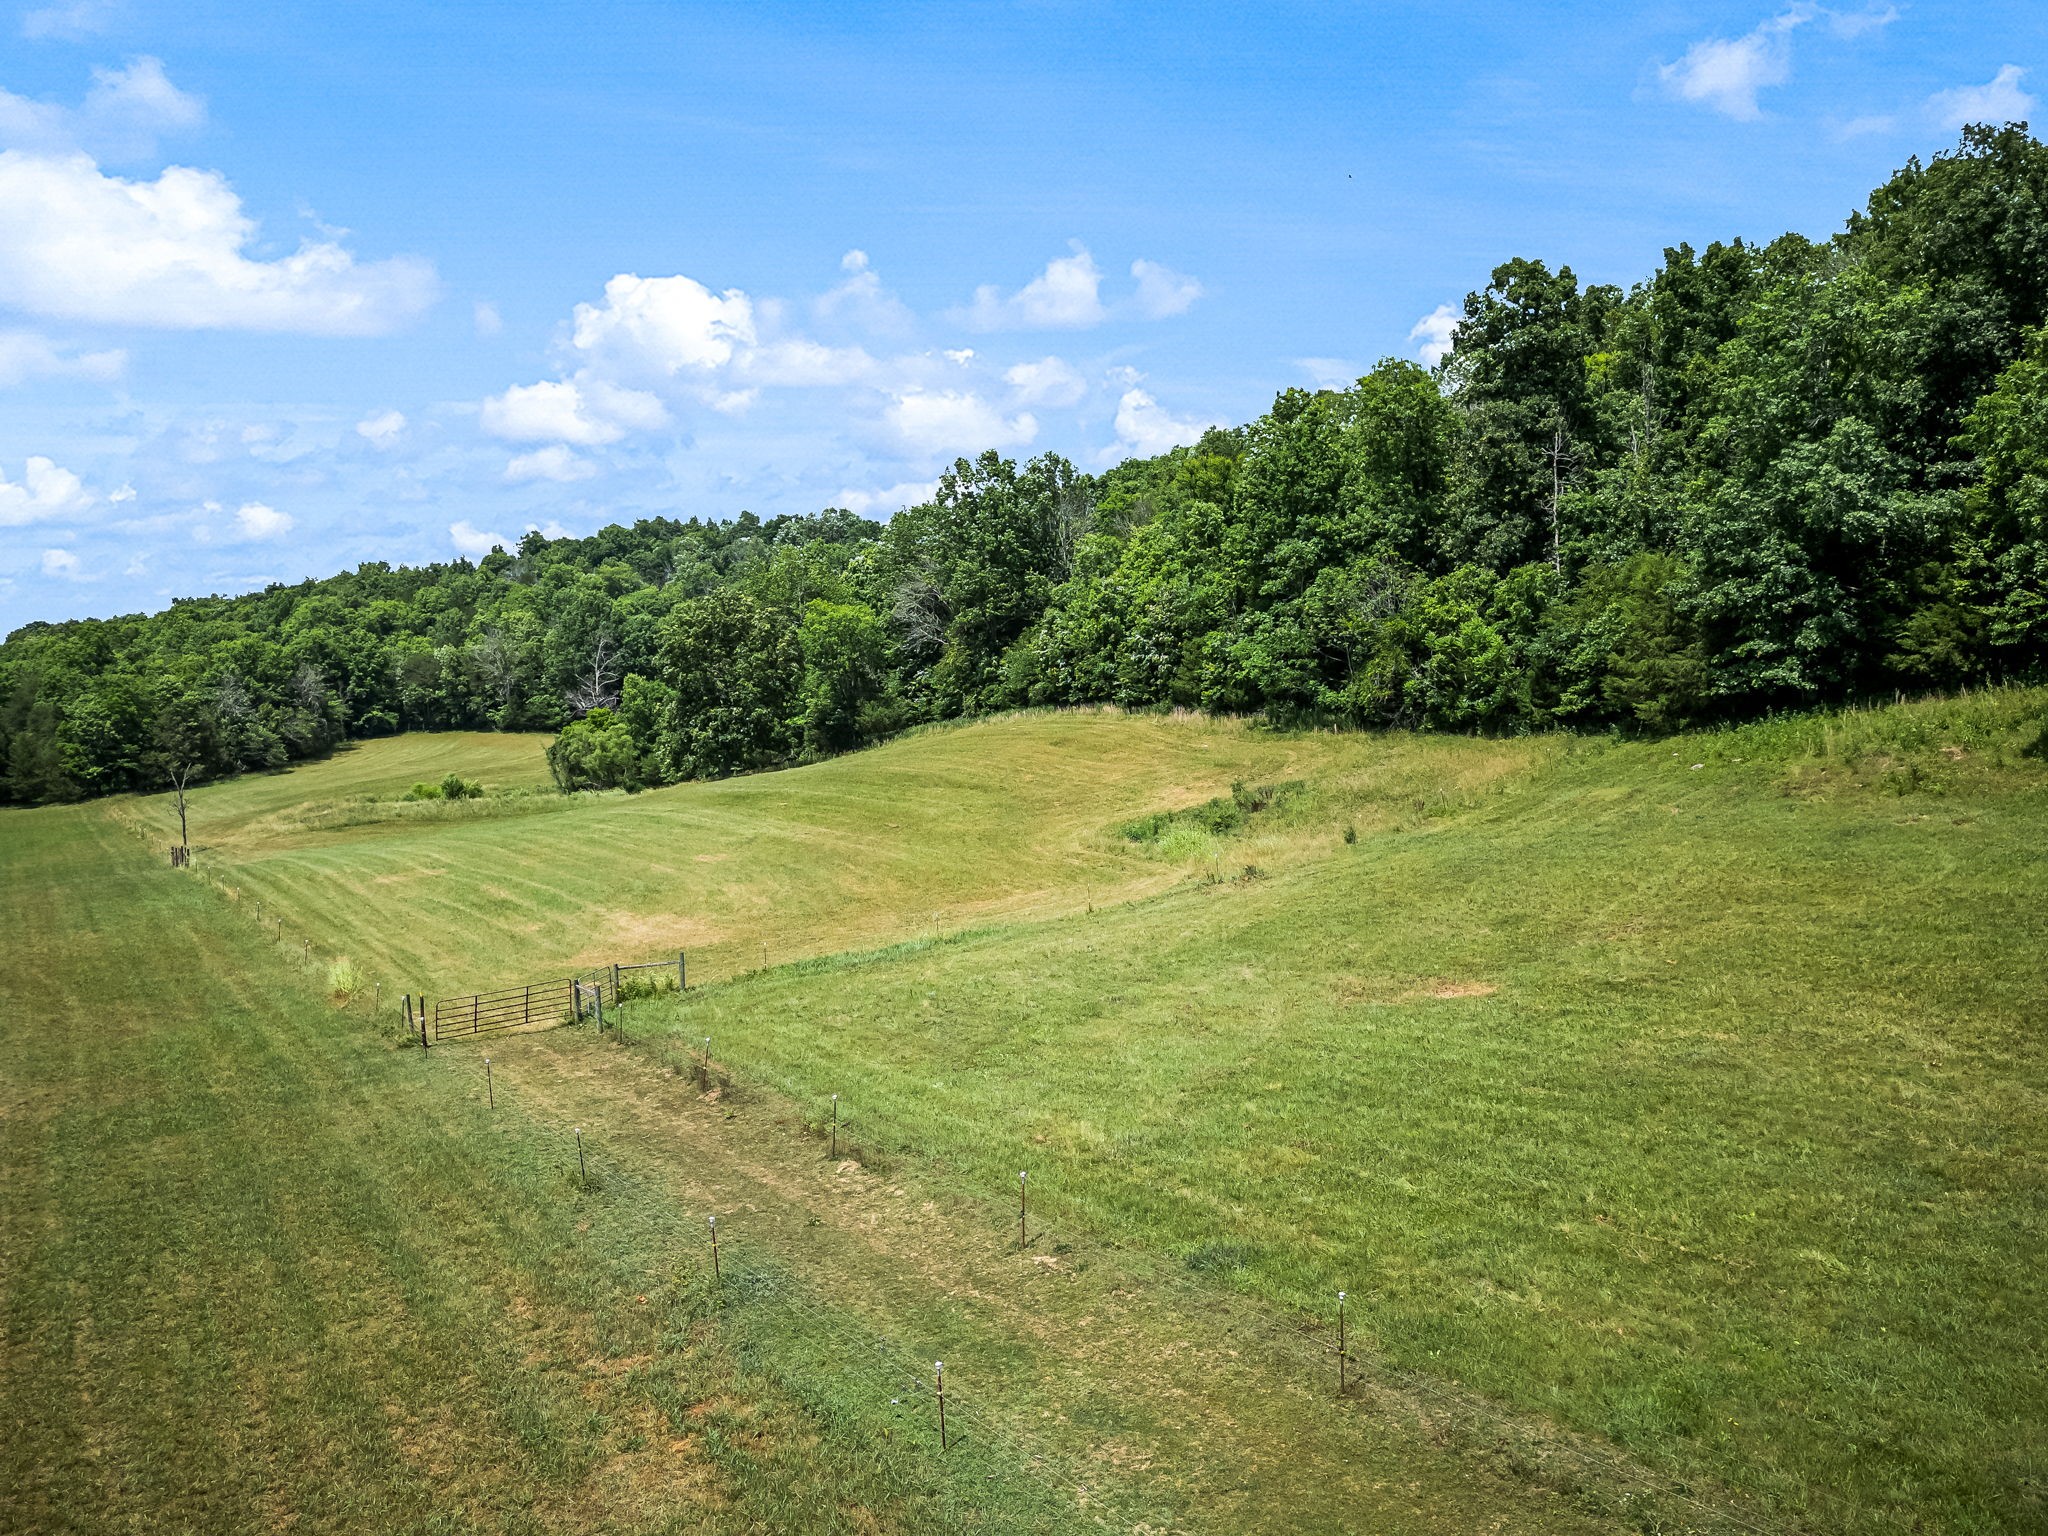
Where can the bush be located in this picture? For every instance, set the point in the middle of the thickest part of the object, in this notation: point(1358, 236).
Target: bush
point(596, 752)
point(453, 787)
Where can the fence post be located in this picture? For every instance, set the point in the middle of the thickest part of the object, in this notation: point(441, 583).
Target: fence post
point(576, 997)
point(1340, 1343)
point(423, 1023)
point(715, 1274)
point(682, 978)
point(939, 1372)
point(615, 981)
point(1022, 1241)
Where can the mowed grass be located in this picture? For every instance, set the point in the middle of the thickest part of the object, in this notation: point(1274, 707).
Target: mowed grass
point(258, 1271)
point(945, 829)
point(1691, 1097)
point(1687, 1094)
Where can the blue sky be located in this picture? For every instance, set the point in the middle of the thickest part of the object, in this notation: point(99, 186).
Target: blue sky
point(285, 287)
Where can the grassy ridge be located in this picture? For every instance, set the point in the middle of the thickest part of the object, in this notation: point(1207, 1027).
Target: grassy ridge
point(947, 828)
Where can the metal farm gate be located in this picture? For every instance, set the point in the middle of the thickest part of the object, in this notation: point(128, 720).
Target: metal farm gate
point(546, 1003)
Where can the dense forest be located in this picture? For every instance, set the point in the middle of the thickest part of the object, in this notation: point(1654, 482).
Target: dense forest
point(1768, 476)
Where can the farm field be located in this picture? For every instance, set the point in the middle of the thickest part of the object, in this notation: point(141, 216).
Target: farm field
point(1672, 1114)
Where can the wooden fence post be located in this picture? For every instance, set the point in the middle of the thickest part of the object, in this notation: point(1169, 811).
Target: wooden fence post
point(423, 1023)
point(682, 976)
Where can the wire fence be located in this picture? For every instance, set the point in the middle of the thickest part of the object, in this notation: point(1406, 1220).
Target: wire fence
point(1598, 1477)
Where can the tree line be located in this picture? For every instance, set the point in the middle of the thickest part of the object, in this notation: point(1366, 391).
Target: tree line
point(1768, 476)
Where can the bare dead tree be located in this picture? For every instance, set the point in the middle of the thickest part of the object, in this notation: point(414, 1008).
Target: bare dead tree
point(231, 697)
point(1562, 459)
point(309, 686)
point(598, 688)
point(922, 614)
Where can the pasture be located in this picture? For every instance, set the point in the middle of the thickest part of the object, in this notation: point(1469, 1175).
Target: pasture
point(1672, 1114)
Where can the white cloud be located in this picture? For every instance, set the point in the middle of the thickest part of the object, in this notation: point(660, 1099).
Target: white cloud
point(1860, 127)
point(1049, 381)
point(83, 245)
point(124, 113)
point(487, 319)
point(1163, 292)
point(861, 300)
point(807, 363)
point(475, 542)
point(73, 22)
point(910, 493)
point(957, 424)
point(46, 491)
point(553, 462)
point(1998, 101)
point(253, 520)
point(586, 412)
point(1066, 295)
point(1726, 73)
point(60, 562)
point(382, 430)
point(24, 355)
point(664, 325)
point(960, 357)
point(1145, 428)
point(1436, 331)
point(1329, 372)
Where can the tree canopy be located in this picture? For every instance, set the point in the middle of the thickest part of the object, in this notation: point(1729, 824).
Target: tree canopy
point(1764, 477)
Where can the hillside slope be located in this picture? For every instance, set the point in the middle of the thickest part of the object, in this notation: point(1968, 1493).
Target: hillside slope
point(1687, 1095)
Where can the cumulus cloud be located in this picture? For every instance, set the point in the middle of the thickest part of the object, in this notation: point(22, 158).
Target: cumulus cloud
point(475, 542)
point(24, 355)
point(254, 520)
point(1162, 292)
point(1144, 427)
point(1999, 100)
point(586, 412)
point(956, 423)
point(45, 491)
point(664, 325)
point(1049, 381)
point(910, 493)
point(82, 245)
point(553, 462)
point(123, 115)
point(1066, 295)
point(1726, 73)
point(861, 301)
point(1436, 331)
point(61, 563)
point(383, 429)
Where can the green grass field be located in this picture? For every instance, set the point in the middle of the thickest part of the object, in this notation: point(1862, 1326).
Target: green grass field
point(1672, 1114)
